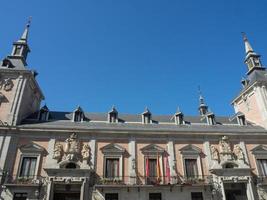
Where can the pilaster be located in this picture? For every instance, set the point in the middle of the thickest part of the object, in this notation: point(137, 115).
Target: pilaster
point(132, 161)
point(171, 160)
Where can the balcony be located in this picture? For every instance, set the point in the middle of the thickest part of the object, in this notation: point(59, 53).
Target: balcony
point(163, 180)
point(23, 180)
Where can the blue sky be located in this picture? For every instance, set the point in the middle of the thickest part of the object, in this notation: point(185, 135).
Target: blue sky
point(133, 54)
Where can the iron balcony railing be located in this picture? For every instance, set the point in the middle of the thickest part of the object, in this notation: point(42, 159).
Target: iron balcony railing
point(23, 180)
point(151, 180)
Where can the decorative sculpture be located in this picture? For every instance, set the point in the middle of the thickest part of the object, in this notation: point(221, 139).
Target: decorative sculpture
point(71, 148)
point(214, 153)
point(8, 84)
point(238, 152)
point(225, 145)
point(58, 150)
point(86, 152)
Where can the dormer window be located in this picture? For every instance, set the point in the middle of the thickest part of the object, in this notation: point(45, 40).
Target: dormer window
point(43, 114)
point(78, 115)
point(179, 118)
point(113, 115)
point(146, 117)
point(241, 120)
point(211, 119)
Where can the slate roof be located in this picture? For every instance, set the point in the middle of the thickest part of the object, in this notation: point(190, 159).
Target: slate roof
point(98, 121)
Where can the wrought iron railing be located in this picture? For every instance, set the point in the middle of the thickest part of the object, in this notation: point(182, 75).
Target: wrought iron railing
point(151, 180)
point(23, 180)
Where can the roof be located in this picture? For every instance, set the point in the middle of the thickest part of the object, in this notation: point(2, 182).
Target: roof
point(257, 75)
point(98, 121)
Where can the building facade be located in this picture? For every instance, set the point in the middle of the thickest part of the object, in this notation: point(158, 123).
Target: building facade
point(79, 155)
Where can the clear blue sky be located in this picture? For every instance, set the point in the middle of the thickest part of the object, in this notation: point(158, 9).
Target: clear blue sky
point(137, 53)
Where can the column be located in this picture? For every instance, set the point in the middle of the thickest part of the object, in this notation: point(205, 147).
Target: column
point(172, 161)
point(84, 190)
point(92, 144)
point(50, 162)
point(4, 151)
point(132, 161)
point(50, 192)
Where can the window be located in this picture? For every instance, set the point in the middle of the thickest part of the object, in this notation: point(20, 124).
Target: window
point(112, 168)
point(112, 118)
point(17, 50)
point(262, 163)
point(78, 115)
point(111, 196)
point(152, 171)
point(154, 196)
point(196, 196)
point(241, 120)
point(20, 196)
point(71, 166)
point(28, 167)
point(43, 116)
point(179, 118)
point(191, 168)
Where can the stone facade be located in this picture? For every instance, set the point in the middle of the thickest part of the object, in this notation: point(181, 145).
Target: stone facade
point(78, 155)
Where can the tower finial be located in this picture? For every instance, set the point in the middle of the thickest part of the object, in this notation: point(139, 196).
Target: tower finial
point(248, 47)
point(203, 108)
point(24, 36)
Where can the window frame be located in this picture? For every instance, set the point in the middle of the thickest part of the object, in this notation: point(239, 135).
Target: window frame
point(29, 155)
point(191, 152)
point(120, 166)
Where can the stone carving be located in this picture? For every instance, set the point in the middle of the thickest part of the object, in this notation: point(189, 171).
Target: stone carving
point(58, 151)
point(238, 152)
point(71, 148)
point(7, 84)
point(214, 153)
point(225, 145)
point(86, 152)
point(2, 98)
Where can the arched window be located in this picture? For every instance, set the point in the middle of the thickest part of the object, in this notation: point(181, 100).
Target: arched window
point(71, 166)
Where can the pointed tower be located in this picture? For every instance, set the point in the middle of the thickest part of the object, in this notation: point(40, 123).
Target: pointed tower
point(252, 99)
point(203, 108)
point(252, 59)
point(19, 91)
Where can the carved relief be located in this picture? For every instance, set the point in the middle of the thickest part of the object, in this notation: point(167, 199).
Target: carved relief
point(225, 145)
point(238, 152)
point(86, 152)
point(214, 153)
point(7, 84)
point(58, 152)
point(71, 148)
point(71, 151)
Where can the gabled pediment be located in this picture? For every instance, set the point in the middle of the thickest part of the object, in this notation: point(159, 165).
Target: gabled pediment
point(190, 149)
point(260, 149)
point(112, 148)
point(152, 149)
point(32, 148)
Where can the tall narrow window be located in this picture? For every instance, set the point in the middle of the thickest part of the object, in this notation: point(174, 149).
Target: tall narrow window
point(191, 168)
point(154, 196)
point(18, 50)
point(28, 167)
point(196, 196)
point(112, 168)
point(262, 163)
point(152, 171)
point(20, 196)
point(111, 196)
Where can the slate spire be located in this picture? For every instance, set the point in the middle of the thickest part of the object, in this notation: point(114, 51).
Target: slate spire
point(252, 59)
point(21, 47)
point(203, 108)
